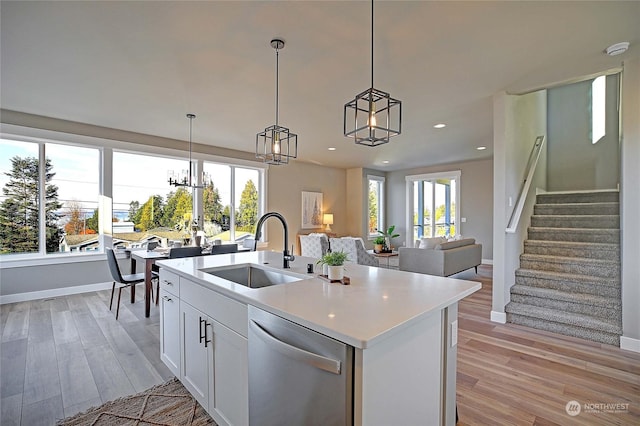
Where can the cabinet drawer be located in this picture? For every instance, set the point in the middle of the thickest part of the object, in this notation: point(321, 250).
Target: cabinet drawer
point(169, 282)
point(221, 308)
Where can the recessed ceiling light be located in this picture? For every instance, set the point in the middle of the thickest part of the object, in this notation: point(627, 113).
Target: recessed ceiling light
point(481, 148)
point(440, 125)
point(385, 162)
point(617, 49)
point(332, 149)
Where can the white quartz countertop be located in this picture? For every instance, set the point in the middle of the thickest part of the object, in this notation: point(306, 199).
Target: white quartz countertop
point(377, 303)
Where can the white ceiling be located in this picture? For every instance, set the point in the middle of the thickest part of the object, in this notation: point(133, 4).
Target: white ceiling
point(141, 66)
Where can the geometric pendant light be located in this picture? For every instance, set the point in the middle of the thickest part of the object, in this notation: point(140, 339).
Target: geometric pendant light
point(276, 144)
point(373, 116)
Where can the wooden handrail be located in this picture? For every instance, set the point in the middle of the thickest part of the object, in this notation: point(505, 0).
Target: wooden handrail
point(530, 169)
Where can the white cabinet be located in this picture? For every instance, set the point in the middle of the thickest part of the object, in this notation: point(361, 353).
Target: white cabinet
point(170, 321)
point(231, 383)
point(203, 341)
point(197, 353)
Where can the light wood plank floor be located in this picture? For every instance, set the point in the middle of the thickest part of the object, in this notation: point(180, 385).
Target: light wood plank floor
point(63, 355)
point(514, 375)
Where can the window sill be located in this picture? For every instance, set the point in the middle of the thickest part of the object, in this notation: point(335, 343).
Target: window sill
point(21, 261)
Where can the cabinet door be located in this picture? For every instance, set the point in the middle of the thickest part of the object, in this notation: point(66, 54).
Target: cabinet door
point(170, 331)
point(230, 396)
point(196, 358)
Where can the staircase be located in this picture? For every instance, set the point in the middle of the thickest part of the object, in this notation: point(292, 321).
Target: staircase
point(569, 276)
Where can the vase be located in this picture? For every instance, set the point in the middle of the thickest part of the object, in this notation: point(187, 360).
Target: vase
point(336, 273)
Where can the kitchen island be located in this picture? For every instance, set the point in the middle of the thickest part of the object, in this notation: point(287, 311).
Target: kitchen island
point(402, 326)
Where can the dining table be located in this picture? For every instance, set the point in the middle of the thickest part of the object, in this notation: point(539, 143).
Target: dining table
point(149, 257)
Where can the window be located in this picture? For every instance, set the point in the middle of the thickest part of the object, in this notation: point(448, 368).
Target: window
point(598, 108)
point(376, 205)
point(145, 206)
point(434, 204)
point(234, 203)
point(58, 219)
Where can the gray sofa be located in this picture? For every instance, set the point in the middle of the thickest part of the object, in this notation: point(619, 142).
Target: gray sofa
point(444, 259)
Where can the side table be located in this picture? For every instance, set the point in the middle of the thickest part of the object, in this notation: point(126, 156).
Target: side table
point(387, 256)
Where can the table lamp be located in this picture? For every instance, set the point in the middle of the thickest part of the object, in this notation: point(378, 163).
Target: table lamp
point(327, 219)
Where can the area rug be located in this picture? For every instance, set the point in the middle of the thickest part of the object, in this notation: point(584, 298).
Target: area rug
point(168, 404)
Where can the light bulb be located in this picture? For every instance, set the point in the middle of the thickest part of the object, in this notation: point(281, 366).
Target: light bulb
point(371, 122)
point(276, 145)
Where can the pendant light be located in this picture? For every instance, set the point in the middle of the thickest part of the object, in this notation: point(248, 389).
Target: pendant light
point(276, 144)
point(373, 117)
point(181, 180)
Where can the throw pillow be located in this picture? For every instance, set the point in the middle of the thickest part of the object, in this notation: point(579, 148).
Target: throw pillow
point(429, 243)
point(455, 244)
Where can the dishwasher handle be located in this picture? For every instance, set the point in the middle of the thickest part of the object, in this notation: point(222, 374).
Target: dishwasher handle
point(318, 361)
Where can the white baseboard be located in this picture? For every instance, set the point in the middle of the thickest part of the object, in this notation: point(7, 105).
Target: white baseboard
point(500, 317)
point(56, 292)
point(629, 344)
point(487, 261)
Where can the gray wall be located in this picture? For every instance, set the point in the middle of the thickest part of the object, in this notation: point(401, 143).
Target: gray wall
point(575, 163)
point(517, 121)
point(476, 200)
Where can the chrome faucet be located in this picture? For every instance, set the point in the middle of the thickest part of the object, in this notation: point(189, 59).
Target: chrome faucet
point(286, 257)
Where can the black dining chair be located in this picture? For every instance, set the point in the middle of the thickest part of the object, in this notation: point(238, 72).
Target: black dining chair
point(174, 253)
point(224, 249)
point(129, 280)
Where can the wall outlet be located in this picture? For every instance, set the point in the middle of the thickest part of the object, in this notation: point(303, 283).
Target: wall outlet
point(463, 219)
point(510, 202)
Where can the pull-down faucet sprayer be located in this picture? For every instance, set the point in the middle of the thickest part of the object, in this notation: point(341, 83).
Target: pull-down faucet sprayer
point(285, 253)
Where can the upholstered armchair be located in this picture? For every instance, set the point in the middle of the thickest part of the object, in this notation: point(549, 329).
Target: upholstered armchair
point(354, 247)
point(314, 246)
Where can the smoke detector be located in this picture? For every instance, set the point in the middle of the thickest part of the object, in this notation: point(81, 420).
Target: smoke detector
point(617, 49)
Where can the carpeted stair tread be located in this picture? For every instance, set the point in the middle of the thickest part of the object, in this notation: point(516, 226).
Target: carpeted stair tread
point(586, 235)
point(563, 296)
point(563, 276)
point(591, 221)
point(567, 330)
point(606, 251)
point(578, 197)
point(571, 265)
point(569, 318)
point(607, 208)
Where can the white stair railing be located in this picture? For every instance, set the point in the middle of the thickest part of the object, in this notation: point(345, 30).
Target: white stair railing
point(530, 169)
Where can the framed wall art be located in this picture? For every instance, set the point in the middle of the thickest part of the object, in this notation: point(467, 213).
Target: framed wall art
point(311, 210)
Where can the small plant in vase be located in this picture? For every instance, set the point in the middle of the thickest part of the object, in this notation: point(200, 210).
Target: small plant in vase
point(335, 263)
point(388, 235)
point(378, 244)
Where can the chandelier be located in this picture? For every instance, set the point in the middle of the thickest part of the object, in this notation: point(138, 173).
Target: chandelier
point(276, 144)
point(373, 117)
point(185, 178)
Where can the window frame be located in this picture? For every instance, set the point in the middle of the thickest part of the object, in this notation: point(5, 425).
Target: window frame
point(381, 187)
point(106, 146)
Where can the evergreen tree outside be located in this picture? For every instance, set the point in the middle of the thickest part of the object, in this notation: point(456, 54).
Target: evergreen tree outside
point(178, 204)
point(248, 211)
point(150, 213)
point(19, 213)
point(212, 204)
point(93, 221)
point(134, 207)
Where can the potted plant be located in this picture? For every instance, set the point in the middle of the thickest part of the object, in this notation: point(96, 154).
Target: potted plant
point(388, 235)
point(378, 244)
point(335, 263)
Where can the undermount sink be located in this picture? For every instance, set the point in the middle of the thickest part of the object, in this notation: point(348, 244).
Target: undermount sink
point(251, 276)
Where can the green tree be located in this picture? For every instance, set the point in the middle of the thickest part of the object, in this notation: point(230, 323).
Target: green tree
point(373, 209)
point(150, 214)
point(178, 204)
point(134, 206)
point(212, 204)
point(248, 209)
point(93, 221)
point(19, 213)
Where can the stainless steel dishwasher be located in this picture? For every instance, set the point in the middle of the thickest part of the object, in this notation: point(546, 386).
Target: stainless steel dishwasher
point(297, 376)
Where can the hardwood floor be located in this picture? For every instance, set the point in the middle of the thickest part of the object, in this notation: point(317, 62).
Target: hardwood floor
point(513, 375)
point(61, 356)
